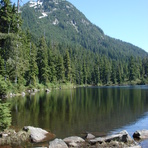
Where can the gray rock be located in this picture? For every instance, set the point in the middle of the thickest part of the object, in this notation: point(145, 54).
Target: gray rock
point(35, 90)
point(141, 134)
point(90, 136)
point(38, 134)
point(73, 141)
point(57, 143)
point(23, 93)
point(121, 137)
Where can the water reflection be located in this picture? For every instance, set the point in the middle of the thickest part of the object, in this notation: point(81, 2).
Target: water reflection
point(72, 112)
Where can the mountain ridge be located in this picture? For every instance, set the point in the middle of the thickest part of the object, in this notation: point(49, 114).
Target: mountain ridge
point(60, 21)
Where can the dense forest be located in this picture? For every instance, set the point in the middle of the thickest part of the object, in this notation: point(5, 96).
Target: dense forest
point(25, 62)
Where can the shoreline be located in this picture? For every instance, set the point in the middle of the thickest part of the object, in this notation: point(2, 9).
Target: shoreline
point(34, 136)
point(34, 90)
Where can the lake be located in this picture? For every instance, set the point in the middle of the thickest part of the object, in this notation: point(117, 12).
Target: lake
point(99, 110)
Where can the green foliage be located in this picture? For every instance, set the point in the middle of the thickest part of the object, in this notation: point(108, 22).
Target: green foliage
point(132, 69)
point(67, 65)
point(9, 17)
point(3, 86)
point(75, 55)
point(42, 61)
point(5, 116)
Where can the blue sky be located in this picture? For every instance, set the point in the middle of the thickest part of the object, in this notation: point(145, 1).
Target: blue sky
point(126, 20)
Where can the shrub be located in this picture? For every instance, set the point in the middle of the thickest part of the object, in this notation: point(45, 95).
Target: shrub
point(5, 116)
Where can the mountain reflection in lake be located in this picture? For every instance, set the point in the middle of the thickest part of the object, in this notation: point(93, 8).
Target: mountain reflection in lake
point(99, 110)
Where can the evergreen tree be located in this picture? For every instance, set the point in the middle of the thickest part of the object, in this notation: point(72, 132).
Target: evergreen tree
point(132, 69)
point(113, 72)
point(52, 66)
point(42, 61)
point(105, 72)
point(60, 69)
point(17, 65)
point(119, 78)
point(33, 68)
point(9, 18)
point(84, 73)
point(5, 15)
point(67, 66)
point(95, 74)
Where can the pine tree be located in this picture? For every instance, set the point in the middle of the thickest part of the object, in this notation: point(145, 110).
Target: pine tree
point(113, 72)
point(9, 18)
point(84, 73)
point(17, 65)
point(42, 61)
point(33, 68)
point(95, 75)
point(67, 66)
point(52, 66)
point(132, 69)
point(5, 15)
point(60, 69)
point(105, 72)
point(118, 74)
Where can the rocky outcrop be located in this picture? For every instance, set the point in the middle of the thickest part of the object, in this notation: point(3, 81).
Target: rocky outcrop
point(122, 139)
point(57, 143)
point(141, 134)
point(38, 135)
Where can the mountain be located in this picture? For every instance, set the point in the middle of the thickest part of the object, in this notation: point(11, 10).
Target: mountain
point(59, 21)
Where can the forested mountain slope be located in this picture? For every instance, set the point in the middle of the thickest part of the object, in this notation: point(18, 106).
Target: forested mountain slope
point(56, 45)
point(59, 21)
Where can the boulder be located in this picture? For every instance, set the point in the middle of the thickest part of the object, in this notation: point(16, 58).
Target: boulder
point(73, 141)
point(38, 135)
point(141, 134)
point(123, 136)
point(89, 136)
point(57, 143)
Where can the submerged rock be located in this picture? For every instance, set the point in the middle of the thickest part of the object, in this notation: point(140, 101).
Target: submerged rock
point(141, 134)
point(38, 135)
point(57, 143)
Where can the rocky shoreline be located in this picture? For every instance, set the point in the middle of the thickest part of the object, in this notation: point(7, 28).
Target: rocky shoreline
point(11, 138)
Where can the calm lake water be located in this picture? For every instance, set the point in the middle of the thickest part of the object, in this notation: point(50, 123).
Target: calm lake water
point(99, 110)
